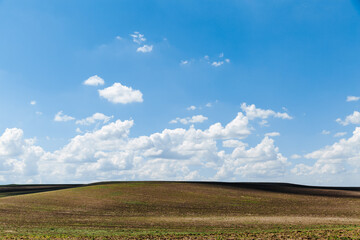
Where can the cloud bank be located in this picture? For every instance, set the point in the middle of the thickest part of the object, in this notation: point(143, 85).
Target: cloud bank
point(109, 153)
point(217, 153)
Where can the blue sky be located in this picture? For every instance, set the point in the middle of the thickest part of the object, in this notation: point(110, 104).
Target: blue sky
point(281, 72)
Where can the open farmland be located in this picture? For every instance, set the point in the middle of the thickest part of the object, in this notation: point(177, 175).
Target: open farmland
point(167, 210)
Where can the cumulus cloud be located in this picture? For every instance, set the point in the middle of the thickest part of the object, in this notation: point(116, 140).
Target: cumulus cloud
point(233, 143)
point(252, 112)
point(61, 117)
point(83, 147)
point(218, 152)
point(96, 117)
point(340, 157)
point(33, 102)
point(184, 62)
point(172, 154)
point(188, 120)
point(197, 119)
point(191, 108)
point(175, 154)
point(119, 93)
point(354, 118)
point(145, 48)
point(18, 156)
point(352, 98)
point(262, 160)
point(272, 134)
point(94, 81)
point(11, 142)
point(237, 128)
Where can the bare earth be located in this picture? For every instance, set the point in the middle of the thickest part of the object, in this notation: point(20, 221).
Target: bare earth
point(177, 210)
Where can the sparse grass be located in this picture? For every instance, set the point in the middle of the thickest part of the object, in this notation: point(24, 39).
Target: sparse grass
point(154, 210)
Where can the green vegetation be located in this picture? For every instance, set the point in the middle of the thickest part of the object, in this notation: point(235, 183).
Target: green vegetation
point(171, 210)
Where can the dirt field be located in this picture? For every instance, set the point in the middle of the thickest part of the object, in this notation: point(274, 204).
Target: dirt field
point(170, 210)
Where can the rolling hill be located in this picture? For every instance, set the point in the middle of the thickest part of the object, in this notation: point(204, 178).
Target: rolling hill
point(168, 210)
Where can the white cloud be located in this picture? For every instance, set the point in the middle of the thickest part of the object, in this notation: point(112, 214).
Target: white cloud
point(296, 156)
point(118, 38)
point(342, 156)
point(11, 142)
point(191, 108)
point(138, 37)
point(259, 161)
point(145, 48)
point(188, 120)
point(237, 128)
point(33, 102)
point(350, 119)
point(264, 123)
point(252, 112)
point(217, 64)
point(83, 147)
point(94, 81)
point(272, 134)
point(118, 93)
point(232, 143)
point(38, 113)
point(208, 105)
point(184, 62)
point(325, 132)
point(18, 156)
point(173, 154)
point(340, 134)
point(198, 119)
point(352, 98)
point(96, 117)
point(61, 117)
